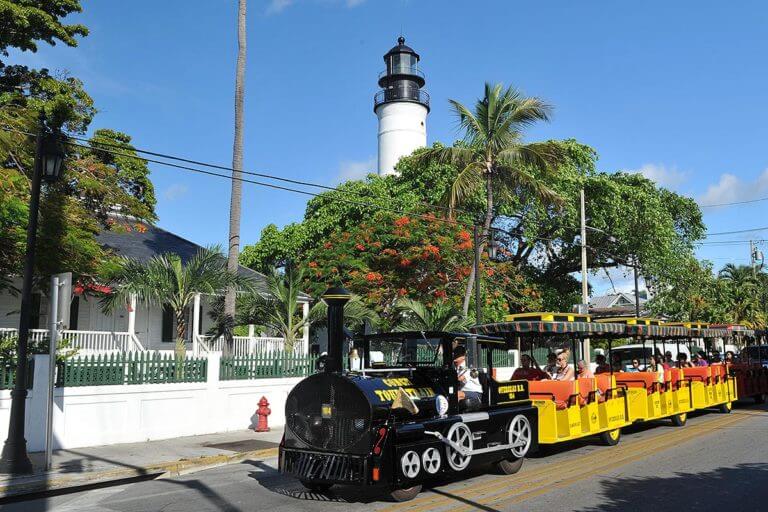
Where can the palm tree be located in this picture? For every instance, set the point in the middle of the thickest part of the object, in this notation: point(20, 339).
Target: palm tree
point(441, 316)
point(166, 281)
point(742, 288)
point(237, 167)
point(277, 310)
point(494, 156)
point(356, 313)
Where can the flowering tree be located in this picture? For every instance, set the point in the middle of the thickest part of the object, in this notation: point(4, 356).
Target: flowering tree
point(391, 257)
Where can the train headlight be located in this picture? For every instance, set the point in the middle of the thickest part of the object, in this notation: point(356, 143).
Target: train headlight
point(441, 405)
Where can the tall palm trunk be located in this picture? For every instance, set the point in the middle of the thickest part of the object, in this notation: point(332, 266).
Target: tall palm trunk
point(237, 167)
point(483, 234)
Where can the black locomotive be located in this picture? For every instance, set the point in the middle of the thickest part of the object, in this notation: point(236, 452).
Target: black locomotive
point(397, 418)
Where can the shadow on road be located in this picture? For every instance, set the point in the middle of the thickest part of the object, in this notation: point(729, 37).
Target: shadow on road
point(739, 487)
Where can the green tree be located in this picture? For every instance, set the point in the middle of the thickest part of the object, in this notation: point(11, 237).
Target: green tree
point(25, 22)
point(742, 293)
point(440, 316)
point(96, 182)
point(166, 281)
point(494, 156)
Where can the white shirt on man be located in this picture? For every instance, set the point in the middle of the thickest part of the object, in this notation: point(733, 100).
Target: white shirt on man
point(471, 384)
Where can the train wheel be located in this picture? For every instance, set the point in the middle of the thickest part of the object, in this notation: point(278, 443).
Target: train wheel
point(611, 437)
point(725, 408)
point(459, 434)
point(509, 467)
point(405, 494)
point(679, 420)
point(519, 436)
point(316, 486)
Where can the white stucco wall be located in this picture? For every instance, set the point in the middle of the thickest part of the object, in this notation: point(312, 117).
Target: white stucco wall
point(98, 415)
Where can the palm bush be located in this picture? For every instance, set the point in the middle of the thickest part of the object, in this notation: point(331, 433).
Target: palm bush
point(413, 315)
point(167, 281)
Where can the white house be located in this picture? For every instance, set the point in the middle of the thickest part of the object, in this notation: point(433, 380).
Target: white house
point(138, 326)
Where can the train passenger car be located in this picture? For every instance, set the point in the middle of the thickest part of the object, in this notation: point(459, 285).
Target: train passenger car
point(402, 418)
point(751, 369)
point(568, 409)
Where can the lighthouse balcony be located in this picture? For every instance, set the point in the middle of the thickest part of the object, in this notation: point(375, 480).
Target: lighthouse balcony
point(401, 73)
point(413, 94)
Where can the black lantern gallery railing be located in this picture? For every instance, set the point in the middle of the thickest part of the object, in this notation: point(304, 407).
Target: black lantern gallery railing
point(413, 94)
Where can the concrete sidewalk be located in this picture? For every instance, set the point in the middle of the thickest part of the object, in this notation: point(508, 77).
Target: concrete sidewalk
point(152, 459)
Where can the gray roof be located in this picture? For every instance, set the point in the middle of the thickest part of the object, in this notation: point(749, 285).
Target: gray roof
point(148, 241)
point(613, 300)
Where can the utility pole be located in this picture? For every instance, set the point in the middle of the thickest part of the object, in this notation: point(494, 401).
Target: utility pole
point(637, 290)
point(584, 284)
point(478, 306)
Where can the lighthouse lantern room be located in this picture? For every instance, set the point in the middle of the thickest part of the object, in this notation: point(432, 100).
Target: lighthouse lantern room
point(401, 107)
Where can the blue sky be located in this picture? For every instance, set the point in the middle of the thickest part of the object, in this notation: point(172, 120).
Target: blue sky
point(676, 90)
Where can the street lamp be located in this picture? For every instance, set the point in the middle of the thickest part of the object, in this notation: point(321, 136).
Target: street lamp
point(48, 162)
point(53, 157)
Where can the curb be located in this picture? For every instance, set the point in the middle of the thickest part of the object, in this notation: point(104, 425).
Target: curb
point(57, 482)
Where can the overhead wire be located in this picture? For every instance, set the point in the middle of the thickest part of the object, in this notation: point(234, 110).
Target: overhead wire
point(102, 146)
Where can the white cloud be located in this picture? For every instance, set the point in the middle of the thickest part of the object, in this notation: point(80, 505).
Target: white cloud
point(664, 176)
point(278, 6)
point(175, 191)
point(731, 188)
point(356, 169)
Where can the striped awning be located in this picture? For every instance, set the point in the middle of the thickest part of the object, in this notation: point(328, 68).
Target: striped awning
point(657, 331)
point(549, 328)
point(707, 332)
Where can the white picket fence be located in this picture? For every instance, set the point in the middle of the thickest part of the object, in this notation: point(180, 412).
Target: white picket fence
point(244, 345)
point(86, 342)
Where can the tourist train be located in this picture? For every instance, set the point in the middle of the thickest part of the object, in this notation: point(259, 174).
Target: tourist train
point(396, 417)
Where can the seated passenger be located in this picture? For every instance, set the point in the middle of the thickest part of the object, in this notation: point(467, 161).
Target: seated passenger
point(470, 389)
point(635, 366)
point(668, 359)
point(602, 365)
point(716, 357)
point(616, 363)
point(729, 356)
point(584, 371)
point(682, 360)
point(654, 366)
point(528, 372)
point(551, 363)
point(564, 371)
point(700, 359)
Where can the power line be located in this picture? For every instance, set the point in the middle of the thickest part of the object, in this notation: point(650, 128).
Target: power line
point(734, 203)
point(96, 146)
point(272, 185)
point(737, 231)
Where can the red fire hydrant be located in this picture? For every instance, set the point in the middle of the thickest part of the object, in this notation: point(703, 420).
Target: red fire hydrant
point(262, 412)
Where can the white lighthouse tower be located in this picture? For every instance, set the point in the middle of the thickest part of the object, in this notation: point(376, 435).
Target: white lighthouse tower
point(401, 107)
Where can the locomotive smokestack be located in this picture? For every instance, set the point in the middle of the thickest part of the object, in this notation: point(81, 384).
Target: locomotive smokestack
point(335, 298)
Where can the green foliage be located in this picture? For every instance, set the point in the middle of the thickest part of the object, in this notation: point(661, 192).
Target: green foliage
point(440, 316)
point(165, 280)
point(25, 22)
point(278, 310)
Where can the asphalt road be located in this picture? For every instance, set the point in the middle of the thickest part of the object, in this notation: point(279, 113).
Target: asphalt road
point(716, 462)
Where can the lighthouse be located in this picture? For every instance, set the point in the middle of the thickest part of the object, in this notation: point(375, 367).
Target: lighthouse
point(401, 107)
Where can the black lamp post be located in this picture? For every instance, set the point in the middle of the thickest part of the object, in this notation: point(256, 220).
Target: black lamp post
point(47, 166)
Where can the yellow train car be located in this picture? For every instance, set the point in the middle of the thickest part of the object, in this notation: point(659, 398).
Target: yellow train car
point(569, 409)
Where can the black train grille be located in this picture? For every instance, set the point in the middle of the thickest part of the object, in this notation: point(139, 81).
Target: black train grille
point(323, 466)
point(346, 425)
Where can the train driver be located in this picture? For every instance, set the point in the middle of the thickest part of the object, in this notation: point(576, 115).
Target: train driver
point(470, 389)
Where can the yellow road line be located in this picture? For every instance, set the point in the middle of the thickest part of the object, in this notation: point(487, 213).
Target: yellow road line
point(638, 446)
point(566, 479)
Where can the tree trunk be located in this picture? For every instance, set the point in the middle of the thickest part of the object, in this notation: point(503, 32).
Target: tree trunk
point(484, 234)
point(180, 349)
point(237, 167)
